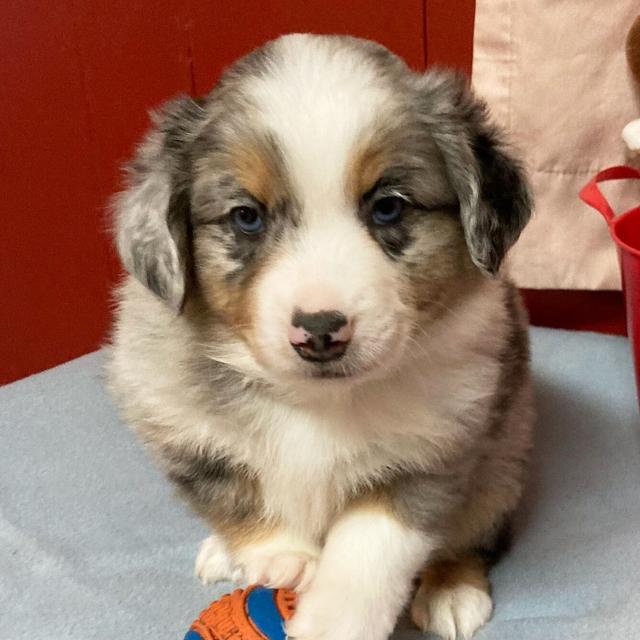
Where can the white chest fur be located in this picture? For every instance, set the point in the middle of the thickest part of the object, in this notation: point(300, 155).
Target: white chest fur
point(311, 458)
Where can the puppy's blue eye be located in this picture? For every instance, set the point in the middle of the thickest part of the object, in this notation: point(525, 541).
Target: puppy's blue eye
point(247, 219)
point(387, 210)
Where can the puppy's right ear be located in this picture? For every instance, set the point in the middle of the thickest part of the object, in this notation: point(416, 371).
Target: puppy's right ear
point(492, 188)
point(151, 214)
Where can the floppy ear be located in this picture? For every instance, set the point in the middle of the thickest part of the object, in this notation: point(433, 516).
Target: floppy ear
point(152, 213)
point(495, 204)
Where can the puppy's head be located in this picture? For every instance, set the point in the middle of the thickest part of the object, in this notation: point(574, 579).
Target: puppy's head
point(320, 204)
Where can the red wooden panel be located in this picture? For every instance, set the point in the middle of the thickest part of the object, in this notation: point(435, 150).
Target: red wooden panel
point(222, 31)
point(53, 274)
point(78, 79)
point(449, 33)
point(601, 311)
point(134, 57)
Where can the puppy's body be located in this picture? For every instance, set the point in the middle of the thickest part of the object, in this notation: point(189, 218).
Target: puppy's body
point(344, 477)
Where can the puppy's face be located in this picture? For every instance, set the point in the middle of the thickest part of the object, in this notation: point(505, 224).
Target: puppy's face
point(323, 203)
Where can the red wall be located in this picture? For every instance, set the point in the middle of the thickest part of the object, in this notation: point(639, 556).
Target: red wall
point(77, 80)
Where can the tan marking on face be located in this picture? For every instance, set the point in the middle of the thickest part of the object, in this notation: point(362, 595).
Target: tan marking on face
point(257, 167)
point(251, 302)
point(231, 300)
point(228, 299)
point(440, 269)
point(235, 302)
point(368, 161)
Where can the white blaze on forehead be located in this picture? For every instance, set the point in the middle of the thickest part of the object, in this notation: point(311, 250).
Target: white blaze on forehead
point(319, 98)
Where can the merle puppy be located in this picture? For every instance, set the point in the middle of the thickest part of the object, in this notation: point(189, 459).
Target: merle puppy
point(314, 339)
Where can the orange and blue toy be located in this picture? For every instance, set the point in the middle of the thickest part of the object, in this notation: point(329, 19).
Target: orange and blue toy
point(254, 613)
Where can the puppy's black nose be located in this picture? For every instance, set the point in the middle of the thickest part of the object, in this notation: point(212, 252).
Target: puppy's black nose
point(320, 336)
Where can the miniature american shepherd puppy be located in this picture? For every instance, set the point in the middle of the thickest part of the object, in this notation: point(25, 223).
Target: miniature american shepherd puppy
point(314, 340)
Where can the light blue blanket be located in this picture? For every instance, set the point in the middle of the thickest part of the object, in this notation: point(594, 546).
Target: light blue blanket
point(93, 543)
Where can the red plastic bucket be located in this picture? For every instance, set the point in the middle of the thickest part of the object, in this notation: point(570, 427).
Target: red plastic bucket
point(625, 230)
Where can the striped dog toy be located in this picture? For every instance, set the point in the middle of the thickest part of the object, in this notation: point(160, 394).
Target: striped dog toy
point(254, 613)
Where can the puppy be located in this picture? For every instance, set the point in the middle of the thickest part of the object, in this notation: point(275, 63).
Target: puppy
point(314, 340)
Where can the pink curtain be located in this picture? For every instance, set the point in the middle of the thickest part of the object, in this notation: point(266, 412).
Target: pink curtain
point(555, 75)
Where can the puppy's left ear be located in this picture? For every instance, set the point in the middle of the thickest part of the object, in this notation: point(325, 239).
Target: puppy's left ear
point(152, 213)
point(494, 197)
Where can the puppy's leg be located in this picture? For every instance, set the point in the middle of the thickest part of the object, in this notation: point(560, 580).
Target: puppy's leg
point(214, 562)
point(270, 557)
point(363, 579)
point(453, 599)
point(247, 543)
point(276, 558)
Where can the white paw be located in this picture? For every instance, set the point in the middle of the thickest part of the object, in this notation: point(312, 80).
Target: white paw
point(213, 563)
point(453, 613)
point(284, 570)
point(327, 613)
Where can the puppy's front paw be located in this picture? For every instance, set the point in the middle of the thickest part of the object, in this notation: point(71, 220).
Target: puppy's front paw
point(452, 612)
point(284, 570)
point(213, 563)
point(326, 613)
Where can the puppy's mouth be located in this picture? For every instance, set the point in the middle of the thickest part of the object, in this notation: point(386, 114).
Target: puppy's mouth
point(332, 375)
point(334, 364)
point(341, 370)
point(357, 365)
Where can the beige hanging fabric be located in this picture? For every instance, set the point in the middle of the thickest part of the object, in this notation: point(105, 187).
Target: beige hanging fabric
point(555, 75)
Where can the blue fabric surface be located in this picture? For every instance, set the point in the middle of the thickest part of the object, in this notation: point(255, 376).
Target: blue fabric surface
point(93, 543)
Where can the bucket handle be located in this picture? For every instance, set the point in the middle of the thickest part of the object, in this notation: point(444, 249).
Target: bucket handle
point(590, 194)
